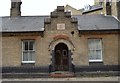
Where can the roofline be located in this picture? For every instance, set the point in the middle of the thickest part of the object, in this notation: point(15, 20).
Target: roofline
point(103, 30)
point(43, 31)
point(25, 16)
point(84, 12)
point(19, 31)
point(116, 18)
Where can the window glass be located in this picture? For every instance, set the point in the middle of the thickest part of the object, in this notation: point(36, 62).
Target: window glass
point(25, 56)
point(31, 45)
point(28, 51)
point(94, 49)
point(31, 56)
point(26, 45)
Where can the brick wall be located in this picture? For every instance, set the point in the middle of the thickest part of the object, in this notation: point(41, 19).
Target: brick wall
point(11, 48)
point(45, 43)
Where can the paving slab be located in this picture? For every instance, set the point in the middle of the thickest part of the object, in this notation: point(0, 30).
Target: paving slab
point(111, 79)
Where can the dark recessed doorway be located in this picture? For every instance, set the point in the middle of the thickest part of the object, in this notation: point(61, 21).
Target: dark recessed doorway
point(61, 57)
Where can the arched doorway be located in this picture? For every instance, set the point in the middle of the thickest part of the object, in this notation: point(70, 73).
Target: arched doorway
point(61, 57)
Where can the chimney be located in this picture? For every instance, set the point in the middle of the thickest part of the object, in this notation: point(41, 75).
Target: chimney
point(15, 8)
point(118, 9)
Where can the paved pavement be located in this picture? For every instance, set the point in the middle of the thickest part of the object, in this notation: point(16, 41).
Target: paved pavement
point(65, 80)
point(60, 82)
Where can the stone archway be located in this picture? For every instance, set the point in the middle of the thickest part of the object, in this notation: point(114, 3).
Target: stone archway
point(61, 57)
point(52, 48)
point(57, 41)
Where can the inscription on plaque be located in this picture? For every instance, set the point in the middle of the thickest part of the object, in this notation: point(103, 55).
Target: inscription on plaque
point(61, 26)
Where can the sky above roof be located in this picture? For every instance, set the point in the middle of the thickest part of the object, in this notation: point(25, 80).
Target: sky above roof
point(41, 7)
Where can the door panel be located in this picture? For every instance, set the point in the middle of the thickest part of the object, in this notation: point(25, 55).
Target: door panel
point(65, 57)
point(61, 58)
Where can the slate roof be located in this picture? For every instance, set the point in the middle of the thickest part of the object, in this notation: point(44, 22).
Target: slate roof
point(23, 24)
point(97, 22)
point(36, 23)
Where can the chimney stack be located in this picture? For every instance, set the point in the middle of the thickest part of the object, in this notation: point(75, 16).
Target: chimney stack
point(118, 9)
point(15, 8)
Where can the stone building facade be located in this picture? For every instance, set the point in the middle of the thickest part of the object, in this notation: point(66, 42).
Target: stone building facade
point(106, 7)
point(73, 11)
point(59, 42)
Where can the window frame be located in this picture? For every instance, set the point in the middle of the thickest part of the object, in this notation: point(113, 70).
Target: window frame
point(101, 49)
point(28, 51)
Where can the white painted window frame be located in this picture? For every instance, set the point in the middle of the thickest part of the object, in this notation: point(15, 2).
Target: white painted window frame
point(97, 60)
point(28, 50)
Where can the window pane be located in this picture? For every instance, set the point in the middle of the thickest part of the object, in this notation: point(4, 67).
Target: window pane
point(31, 56)
point(94, 49)
point(31, 43)
point(25, 56)
point(98, 44)
point(25, 45)
point(94, 55)
point(91, 55)
point(98, 54)
point(90, 44)
point(94, 44)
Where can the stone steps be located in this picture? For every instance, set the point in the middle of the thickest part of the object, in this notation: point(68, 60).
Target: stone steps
point(62, 74)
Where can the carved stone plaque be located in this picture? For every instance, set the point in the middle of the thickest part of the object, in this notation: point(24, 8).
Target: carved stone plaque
point(60, 26)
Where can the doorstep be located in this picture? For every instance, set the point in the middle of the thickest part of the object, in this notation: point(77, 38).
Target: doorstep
point(62, 74)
